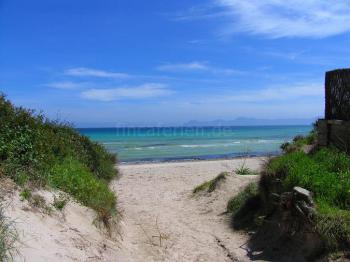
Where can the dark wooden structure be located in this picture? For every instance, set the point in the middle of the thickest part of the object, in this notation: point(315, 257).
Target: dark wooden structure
point(335, 128)
point(338, 95)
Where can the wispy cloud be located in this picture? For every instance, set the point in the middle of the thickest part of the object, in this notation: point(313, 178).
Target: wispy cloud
point(191, 66)
point(277, 94)
point(65, 85)
point(294, 18)
point(275, 18)
point(197, 66)
point(144, 91)
point(89, 72)
point(208, 10)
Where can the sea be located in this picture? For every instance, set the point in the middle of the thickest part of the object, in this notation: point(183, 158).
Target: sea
point(162, 144)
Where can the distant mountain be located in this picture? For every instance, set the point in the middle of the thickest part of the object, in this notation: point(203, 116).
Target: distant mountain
point(243, 121)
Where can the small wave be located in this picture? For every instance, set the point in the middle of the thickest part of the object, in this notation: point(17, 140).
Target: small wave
point(142, 148)
point(210, 145)
point(111, 143)
point(196, 146)
point(154, 145)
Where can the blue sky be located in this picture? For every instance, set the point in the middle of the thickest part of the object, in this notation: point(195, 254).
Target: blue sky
point(163, 62)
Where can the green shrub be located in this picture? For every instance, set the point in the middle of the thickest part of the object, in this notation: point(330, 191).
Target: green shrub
point(210, 185)
point(74, 178)
point(30, 145)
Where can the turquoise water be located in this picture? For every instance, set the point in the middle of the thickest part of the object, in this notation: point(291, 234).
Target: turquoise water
point(177, 143)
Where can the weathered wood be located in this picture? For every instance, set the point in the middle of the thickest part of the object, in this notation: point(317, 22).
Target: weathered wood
point(338, 95)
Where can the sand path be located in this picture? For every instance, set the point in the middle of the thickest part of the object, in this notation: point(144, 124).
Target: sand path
point(162, 221)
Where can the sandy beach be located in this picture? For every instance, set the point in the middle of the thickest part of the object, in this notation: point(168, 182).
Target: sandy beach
point(163, 221)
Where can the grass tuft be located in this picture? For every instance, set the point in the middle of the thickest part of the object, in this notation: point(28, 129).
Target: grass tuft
point(60, 202)
point(25, 194)
point(243, 170)
point(8, 238)
point(210, 185)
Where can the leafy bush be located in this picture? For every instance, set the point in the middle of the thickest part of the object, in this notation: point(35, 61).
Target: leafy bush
point(30, 144)
point(210, 185)
point(38, 151)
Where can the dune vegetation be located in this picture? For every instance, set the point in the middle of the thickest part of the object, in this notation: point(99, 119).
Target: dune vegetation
point(211, 185)
point(36, 152)
point(325, 172)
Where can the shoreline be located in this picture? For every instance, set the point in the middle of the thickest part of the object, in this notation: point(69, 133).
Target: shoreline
point(191, 160)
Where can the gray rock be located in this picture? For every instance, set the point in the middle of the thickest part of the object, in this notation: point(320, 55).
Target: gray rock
point(303, 194)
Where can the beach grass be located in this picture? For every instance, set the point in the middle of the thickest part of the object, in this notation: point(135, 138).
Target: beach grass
point(243, 170)
point(236, 202)
point(74, 178)
point(244, 208)
point(211, 185)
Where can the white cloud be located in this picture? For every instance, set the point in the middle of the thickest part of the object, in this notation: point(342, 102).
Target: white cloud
point(292, 18)
point(138, 92)
point(83, 71)
point(276, 94)
point(197, 66)
point(192, 66)
point(65, 85)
